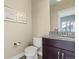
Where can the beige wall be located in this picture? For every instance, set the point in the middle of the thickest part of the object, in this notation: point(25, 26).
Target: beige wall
point(16, 32)
point(54, 11)
point(41, 17)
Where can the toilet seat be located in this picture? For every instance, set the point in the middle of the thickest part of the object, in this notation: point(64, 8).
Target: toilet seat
point(30, 51)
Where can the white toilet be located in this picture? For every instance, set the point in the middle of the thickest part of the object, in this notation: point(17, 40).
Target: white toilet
point(32, 52)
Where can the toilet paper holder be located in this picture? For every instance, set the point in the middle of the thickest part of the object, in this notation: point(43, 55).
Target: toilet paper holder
point(17, 43)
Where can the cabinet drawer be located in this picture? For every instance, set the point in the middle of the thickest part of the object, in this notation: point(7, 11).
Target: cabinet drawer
point(67, 45)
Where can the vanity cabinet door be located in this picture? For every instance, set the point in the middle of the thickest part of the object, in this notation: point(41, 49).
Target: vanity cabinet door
point(58, 49)
point(51, 53)
point(68, 55)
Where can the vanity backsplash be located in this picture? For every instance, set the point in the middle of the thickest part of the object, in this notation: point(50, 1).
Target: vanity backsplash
point(62, 34)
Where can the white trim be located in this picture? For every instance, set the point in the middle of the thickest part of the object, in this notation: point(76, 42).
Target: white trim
point(65, 12)
point(18, 56)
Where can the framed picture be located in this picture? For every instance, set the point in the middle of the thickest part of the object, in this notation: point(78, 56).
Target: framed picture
point(10, 14)
point(13, 16)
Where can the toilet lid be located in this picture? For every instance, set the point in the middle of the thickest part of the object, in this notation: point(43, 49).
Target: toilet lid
point(30, 51)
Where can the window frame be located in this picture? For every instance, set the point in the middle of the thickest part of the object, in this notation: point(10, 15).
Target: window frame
point(63, 13)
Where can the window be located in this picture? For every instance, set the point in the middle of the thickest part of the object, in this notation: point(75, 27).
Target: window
point(67, 24)
point(67, 21)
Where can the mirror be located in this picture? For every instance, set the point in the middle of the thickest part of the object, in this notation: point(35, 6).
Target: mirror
point(62, 15)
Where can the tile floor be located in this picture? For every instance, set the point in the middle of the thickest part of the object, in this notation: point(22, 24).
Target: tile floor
point(24, 57)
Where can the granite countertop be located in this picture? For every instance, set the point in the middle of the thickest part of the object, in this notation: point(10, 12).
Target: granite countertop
point(60, 38)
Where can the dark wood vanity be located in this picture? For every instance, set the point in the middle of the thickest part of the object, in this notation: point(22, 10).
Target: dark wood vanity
point(58, 49)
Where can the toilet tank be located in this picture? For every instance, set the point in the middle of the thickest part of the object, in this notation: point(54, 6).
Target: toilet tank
point(37, 42)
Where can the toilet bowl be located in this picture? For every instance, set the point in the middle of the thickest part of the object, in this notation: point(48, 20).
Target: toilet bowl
point(40, 52)
point(32, 52)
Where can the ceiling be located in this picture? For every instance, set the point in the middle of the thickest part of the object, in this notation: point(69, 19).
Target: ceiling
point(53, 2)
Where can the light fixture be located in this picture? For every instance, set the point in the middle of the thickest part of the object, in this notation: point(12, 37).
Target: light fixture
point(58, 0)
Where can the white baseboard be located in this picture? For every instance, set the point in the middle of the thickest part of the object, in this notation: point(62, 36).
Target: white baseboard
point(18, 56)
